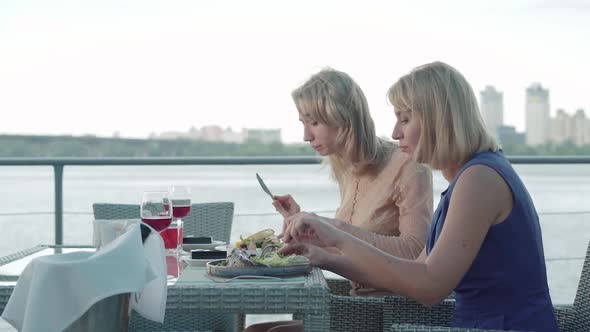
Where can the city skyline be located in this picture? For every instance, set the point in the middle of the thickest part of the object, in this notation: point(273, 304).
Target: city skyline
point(238, 134)
point(213, 133)
point(540, 126)
point(77, 68)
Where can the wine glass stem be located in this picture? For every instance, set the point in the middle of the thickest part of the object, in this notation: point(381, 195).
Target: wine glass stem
point(179, 234)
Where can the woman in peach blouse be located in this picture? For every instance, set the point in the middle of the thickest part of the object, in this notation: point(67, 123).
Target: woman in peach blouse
point(386, 197)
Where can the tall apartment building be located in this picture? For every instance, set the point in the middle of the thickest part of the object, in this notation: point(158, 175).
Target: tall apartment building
point(560, 127)
point(212, 133)
point(570, 128)
point(492, 108)
point(580, 128)
point(537, 115)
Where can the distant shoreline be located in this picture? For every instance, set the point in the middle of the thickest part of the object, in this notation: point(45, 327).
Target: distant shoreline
point(94, 146)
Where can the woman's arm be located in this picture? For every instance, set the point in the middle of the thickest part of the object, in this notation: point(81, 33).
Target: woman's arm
point(480, 199)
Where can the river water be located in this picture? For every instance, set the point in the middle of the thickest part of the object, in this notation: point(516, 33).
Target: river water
point(560, 192)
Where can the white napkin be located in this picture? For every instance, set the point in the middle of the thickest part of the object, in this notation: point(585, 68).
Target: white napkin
point(151, 301)
point(54, 291)
point(106, 230)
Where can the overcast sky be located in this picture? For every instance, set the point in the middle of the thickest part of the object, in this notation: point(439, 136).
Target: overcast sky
point(95, 67)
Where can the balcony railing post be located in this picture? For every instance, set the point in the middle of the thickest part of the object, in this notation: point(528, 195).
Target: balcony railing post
point(58, 170)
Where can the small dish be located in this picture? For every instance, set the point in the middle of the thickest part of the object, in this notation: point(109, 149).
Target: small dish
point(207, 246)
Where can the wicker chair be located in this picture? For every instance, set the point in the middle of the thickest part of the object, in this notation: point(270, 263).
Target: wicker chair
point(424, 328)
point(408, 315)
point(205, 219)
point(353, 313)
point(401, 314)
point(394, 313)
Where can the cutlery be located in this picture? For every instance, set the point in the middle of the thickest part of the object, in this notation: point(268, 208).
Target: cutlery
point(263, 186)
point(244, 277)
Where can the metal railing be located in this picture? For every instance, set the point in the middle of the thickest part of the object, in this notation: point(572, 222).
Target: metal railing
point(58, 165)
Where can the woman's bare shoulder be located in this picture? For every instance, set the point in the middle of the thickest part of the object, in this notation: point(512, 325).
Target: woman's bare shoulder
point(481, 187)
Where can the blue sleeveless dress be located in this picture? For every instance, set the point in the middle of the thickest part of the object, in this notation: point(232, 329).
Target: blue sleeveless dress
point(506, 286)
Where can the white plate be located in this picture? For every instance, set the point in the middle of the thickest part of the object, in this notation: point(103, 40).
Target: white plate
point(259, 270)
point(207, 246)
point(197, 262)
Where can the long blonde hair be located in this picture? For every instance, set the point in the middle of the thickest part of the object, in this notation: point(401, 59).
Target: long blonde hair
point(452, 129)
point(334, 99)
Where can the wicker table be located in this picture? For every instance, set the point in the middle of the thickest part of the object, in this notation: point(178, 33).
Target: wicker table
point(310, 298)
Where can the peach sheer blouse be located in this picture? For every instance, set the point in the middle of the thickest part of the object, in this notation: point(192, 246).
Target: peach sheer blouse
point(393, 209)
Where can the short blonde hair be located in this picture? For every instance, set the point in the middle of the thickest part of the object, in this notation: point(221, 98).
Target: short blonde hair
point(334, 99)
point(452, 130)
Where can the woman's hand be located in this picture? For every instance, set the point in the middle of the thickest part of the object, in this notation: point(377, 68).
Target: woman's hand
point(286, 205)
point(311, 228)
point(317, 256)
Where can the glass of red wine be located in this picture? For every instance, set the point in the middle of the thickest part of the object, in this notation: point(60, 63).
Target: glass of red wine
point(181, 207)
point(155, 209)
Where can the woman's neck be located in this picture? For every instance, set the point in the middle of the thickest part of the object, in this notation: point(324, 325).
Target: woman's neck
point(450, 173)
